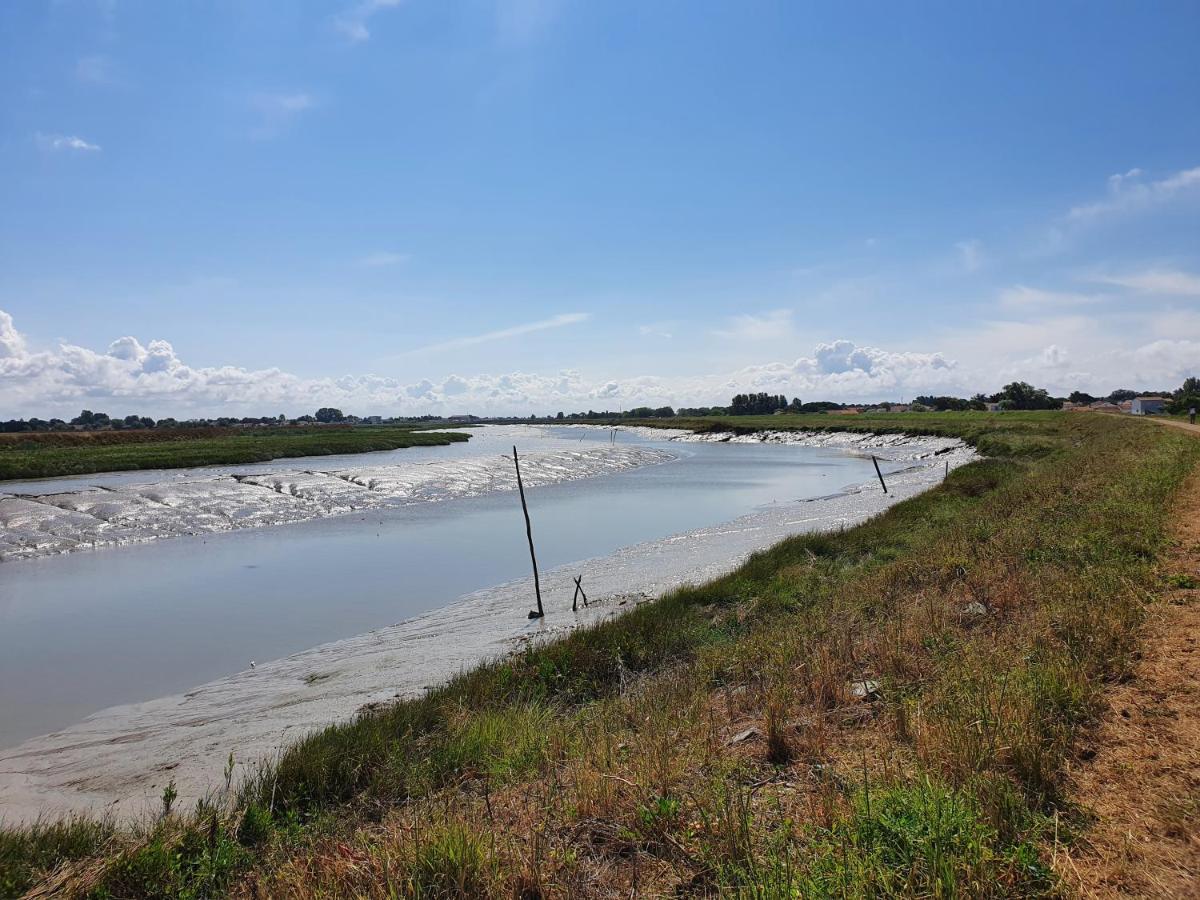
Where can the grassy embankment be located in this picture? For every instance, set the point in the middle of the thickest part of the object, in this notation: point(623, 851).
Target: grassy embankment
point(51, 454)
point(712, 741)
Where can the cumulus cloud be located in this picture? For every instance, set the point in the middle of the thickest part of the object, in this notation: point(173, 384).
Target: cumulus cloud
point(12, 344)
point(57, 143)
point(149, 378)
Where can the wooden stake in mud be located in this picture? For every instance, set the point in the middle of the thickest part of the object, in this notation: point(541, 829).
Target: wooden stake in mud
point(880, 474)
point(578, 593)
point(537, 587)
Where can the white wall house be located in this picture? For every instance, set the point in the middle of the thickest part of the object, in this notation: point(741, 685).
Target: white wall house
point(1146, 406)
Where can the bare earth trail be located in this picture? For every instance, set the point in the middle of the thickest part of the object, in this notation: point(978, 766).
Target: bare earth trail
point(1143, 784)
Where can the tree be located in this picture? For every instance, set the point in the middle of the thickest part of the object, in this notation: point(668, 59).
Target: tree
point(329, 414)
point(942, 404)
point(757, 404)
point(90, 420)
point(1022, 395)
point(1080, 397)
point(1121, 395)
point(1186, 397)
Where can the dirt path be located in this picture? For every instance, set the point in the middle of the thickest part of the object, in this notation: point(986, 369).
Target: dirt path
point(1175, 423)
point(1143, 784)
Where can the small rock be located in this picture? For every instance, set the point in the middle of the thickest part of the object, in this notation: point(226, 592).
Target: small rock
point(975, 610)
point(864, 689)
point(742, 736)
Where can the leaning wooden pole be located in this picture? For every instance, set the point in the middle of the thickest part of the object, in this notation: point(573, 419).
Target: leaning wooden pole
point(537, 587)
point(877, 472)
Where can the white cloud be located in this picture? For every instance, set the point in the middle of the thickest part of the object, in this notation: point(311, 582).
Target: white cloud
point(1156, 281)
point(501, 334)
point(150, 378)
point(1130, 193)
point(767, 326)
point(1022, 296)
point(277, 109)
point(352, 24)
point(382, 259)
point(12, 343)
point(66, 142)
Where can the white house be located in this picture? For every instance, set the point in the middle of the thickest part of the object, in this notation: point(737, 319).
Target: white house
point(1147, 406)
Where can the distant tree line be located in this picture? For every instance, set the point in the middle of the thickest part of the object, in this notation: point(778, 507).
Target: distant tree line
point(1018, 395)
point(87, 420)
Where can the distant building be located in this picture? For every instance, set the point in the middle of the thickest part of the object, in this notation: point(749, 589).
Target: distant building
point(462, 418)
point(993, 407)
point(1147, 406)
point(372, 420)
point(1126, 406)
point(1104, 406)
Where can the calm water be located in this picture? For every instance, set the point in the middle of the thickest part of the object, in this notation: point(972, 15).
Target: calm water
point(96, 628)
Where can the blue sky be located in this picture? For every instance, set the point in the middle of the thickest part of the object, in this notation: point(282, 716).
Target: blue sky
point(518, 205)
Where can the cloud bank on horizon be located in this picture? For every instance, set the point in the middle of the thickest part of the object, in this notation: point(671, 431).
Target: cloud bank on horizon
point(129, 376)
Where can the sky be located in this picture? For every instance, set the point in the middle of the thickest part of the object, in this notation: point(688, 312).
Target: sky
point(519, 206)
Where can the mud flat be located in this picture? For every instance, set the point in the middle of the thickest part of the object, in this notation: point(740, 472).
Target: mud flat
point(35, 525)
point(119, 760)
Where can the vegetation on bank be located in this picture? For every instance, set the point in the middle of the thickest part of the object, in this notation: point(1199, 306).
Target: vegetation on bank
point(52, 454)
point(884, 710)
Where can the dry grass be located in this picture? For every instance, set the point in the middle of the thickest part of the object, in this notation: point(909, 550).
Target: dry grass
point(1138, 773)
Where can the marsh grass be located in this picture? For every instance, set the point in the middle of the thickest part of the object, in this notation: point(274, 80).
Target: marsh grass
point(601, 763)
point(51, 455)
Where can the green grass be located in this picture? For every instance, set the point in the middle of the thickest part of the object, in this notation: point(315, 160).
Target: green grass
point(1009, 434)
point(490, 785)
point(25, 852)
point(46, 456)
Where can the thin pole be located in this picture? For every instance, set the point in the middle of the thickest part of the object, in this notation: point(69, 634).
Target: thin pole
point(877, 472)
point(537, 587)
